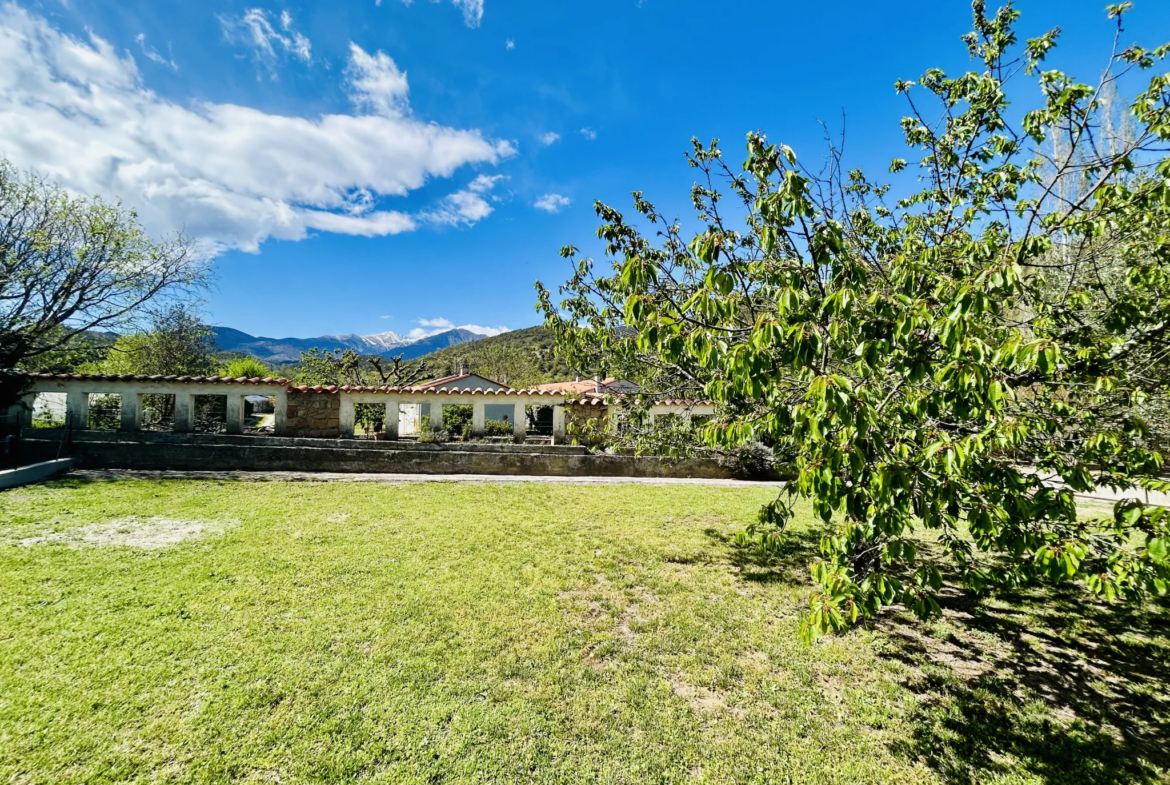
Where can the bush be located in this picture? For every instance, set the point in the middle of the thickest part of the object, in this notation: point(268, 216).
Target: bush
point(434, 437)
point(247, 368)
point(490, 428)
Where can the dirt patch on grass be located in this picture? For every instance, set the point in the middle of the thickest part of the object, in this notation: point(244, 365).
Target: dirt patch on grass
point(699, 699)
point(147, 534)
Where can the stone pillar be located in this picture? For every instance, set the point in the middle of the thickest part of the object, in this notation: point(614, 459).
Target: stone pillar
point(391, 424)
point(235, 413)
point(345, 418)
point(77, 409)
point(519, 423)
point(436, 416)
point(184, 412)
point(477, 408)
point(131, 411)
point(280, 413)
point(19, 414)
point(559, 425)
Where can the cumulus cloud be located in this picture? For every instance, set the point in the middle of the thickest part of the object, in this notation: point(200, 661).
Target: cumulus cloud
point(255, 28)
point(376, 83)
point(552, 203)
point(467, 206)
point(428, 327)
point(549, 138)
point(510, 45)
point(230, 176)
point(152, 54)
point(589, 134)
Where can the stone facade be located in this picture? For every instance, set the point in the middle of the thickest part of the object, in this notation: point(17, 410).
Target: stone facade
point(313, 415)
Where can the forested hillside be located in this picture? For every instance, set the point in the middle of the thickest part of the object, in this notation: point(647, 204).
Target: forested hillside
point(519, 358)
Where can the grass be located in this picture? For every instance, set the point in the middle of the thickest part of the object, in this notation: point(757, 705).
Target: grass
point(460, 633)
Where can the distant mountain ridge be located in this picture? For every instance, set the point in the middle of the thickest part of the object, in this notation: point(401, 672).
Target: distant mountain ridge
point(388, 344)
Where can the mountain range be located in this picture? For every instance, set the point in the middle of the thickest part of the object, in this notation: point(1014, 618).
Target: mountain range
point(388, 344)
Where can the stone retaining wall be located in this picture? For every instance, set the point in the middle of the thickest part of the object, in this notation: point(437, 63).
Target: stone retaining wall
point(239, 454)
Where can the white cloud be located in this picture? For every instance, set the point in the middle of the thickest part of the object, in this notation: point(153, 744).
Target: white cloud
point(552, 203)
point(510, 45)
point(467, 206)
point(472, 9)
point(549, 138)
point(386, 317)
point(589, 134)
point(256, 29)
point(230, 176)
point(153, 54)
point(430, 327)
point(376, 83)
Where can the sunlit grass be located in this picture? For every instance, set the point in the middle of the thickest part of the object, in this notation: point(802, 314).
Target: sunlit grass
point(441, 632)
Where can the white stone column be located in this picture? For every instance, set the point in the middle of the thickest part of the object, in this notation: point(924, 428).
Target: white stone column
point(280, 413)
point(77, 409)
point(345, 418)
point(559, 425)
point(184, 412)
point(436, 416)
point(235, 413)
point(477, 408)
point(131, 411)
point(391, 423)
point(519, 423)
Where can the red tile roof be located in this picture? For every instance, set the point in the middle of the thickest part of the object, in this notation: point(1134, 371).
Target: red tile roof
point(554, 390)
point(456, 378)
point(99, 377)
point(416, 390)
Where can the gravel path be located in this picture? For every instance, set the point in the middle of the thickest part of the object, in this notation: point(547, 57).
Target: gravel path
point(1102, 496)
point(134, 474)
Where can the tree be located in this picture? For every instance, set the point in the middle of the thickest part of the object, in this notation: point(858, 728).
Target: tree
point(339, 368)
point(70, 265)
point(953, 363)
point(177, 343)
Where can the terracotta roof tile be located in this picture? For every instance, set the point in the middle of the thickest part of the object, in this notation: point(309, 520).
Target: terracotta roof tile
point(98, 377)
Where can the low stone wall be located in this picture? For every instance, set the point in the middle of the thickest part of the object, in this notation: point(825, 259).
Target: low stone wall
point(313, 415)
point(209, 453)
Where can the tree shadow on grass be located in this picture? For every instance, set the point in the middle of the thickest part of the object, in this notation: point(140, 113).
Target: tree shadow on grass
point(788, 564)
point(1051, 684)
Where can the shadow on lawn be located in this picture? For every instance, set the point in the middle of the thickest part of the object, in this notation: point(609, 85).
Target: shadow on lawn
point(787, 565)
point(1051, 683)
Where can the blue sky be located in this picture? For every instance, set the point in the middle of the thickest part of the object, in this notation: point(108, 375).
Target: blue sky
point(362, 166)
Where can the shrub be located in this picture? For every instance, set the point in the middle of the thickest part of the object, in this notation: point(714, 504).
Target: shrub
point(490, 428)
point(247, 368)
point(434, 437)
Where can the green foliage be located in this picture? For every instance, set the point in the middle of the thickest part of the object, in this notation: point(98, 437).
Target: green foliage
point(918, 356)
point(427, 436)
point(333, 368)
point(73, 265)
point(245, 367)
point(457, 419)
point(176, 343)
point(519, 358)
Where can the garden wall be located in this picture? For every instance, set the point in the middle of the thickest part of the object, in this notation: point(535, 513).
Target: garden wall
point(313, 415)
point(218, 452)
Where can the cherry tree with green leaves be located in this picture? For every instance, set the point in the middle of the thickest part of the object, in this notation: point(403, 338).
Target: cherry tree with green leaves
point(947, 361)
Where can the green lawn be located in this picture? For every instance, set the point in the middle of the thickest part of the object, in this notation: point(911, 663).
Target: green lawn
point(458, 633)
